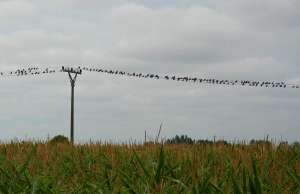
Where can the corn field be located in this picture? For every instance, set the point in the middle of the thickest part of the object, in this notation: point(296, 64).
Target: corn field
point(151, 168)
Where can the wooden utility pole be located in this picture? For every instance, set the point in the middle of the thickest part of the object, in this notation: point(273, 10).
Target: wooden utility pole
point(71, 71)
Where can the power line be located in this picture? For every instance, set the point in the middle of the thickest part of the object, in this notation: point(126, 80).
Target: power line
point(195, 80)
point(30, 71)
point(35, 71)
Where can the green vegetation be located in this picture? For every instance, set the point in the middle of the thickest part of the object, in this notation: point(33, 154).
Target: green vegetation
point(59, 139)
point(151, 168)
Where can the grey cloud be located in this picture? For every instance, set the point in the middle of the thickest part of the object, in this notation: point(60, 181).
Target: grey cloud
point(173, 34)
point(15, 9)
point(195, 35)
point(266, 15)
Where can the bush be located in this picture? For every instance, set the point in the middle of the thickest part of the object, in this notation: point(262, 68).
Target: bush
point(183, 139)
point(59, 139)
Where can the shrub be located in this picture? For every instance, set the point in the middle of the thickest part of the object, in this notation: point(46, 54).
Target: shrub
point(59, 139)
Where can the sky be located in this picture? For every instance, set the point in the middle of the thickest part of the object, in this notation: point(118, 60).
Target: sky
point(233, 39)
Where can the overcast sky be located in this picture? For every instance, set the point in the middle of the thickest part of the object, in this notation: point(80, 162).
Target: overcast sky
point(233, 39)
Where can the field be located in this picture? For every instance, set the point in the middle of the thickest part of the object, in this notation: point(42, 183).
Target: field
point(152, 168)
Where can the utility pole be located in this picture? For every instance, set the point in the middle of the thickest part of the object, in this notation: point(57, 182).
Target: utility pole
point(71, 71)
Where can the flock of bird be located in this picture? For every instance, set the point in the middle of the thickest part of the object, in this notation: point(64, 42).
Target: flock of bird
point(267, 84)
point(29, 71)
point(47, 70)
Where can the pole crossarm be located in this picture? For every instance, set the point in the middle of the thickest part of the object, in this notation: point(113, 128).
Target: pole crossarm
point(72, 70)
point(72, 79)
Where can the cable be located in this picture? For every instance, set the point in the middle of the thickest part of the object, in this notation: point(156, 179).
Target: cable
point(35, 71)
point(30, 71)
point(210, 81)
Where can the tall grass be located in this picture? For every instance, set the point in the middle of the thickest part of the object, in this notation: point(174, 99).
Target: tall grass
point(105, 168)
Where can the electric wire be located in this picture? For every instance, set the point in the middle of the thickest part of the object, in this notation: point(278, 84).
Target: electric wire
point(37, 71)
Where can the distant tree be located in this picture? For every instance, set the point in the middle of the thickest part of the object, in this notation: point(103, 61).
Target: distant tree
point(183, 139)
point(295, 144)
point(221, 142)
point(59, 139)
point(204, 142)
point(260, 142)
